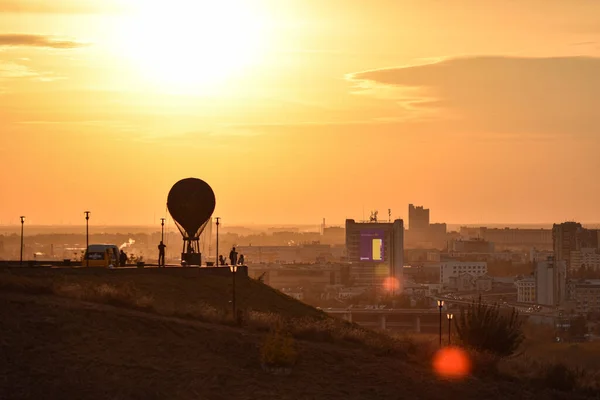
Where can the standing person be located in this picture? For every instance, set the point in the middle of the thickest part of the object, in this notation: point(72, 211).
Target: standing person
point(233, 255)
point(161, 254)
point(122, 258)
point(241, 259)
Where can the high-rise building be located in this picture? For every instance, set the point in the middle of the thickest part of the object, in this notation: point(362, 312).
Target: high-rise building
point(418, 218)
point(550, 282)
point(376, 251)
point(570, 237)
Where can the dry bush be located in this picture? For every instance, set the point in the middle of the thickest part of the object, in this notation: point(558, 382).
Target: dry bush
point(10, 282)
point(332, 330)
point(484, 328)
point(589, 380)
point(264, 321)
point(551, 374)
point(278, 350)
point(199, 311)
point(123, 295)
point(559, 377)
point(485, 364)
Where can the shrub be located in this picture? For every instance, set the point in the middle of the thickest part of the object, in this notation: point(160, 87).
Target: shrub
point(484, 329)
point(278, 351)
point(22, 284)
point(104, 293)
point(560, 377)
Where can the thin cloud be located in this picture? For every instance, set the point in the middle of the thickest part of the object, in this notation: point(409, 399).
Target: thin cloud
point(16, 39)
point(13, 70)
point(500, 94)
point(60, 7)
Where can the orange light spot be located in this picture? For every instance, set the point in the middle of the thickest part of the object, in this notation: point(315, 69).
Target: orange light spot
point(452, 363)
point(391, 284)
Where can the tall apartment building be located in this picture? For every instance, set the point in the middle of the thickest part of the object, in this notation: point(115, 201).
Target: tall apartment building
point(570, 238)
point(418, 218)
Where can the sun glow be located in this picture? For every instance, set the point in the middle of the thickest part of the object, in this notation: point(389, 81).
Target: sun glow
point(194, 45)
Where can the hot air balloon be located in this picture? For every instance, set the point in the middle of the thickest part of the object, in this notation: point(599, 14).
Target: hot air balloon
point(191, 203)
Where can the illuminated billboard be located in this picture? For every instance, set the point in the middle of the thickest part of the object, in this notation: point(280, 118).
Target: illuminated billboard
point(371, 245)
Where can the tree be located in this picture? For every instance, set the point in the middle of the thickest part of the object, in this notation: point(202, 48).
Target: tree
point(483, 328)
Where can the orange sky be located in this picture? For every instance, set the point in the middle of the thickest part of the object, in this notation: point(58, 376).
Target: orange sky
point(300, 109)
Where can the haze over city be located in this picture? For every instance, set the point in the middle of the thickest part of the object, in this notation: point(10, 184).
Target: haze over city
point(299, 110)
point(299, 199)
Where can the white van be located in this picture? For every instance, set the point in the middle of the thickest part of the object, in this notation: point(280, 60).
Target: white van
point(101, 255)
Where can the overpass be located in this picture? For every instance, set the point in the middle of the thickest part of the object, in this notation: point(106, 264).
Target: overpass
point(415, 320)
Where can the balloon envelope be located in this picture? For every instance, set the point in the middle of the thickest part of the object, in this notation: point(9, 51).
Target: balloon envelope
point(191, 203)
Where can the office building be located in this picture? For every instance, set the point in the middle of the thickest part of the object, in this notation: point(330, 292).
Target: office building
point(376, 251)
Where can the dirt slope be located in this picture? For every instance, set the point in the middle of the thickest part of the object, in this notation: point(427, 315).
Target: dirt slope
point(57, 348)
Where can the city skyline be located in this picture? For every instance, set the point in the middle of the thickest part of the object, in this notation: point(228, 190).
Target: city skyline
point(289, 109)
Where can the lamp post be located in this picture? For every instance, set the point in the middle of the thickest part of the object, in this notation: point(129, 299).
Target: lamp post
point(450, 317)
point(162, 242)
point(22, 223)
point(87, 235)
point(233, 269)
point(440, 304)
point(217, 256)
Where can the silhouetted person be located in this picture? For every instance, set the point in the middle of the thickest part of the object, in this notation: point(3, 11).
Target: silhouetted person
point(233, 255)
point(221, 260)
point(161, 254)
point(122, 258)
point(241, 262)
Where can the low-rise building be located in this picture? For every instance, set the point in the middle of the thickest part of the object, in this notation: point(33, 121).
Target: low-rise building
point(467, 282)
point(449, 269)
point(586, 295)
point(484, 283)
point(296, 293)
point(462, 282)
point(350, 292)
point(588, 258)
point(526, 290)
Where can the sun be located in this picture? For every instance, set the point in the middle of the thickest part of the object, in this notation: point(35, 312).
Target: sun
point(193, 45)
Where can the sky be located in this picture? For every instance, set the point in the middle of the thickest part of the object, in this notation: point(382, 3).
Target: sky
point(299, 110)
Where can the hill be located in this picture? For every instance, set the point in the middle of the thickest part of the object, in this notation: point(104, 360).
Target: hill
point(61, 344)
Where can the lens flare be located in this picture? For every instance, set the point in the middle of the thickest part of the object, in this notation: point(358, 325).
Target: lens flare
point(391, 284)
point(452, 363)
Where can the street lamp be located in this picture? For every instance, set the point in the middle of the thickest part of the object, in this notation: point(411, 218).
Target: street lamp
point(161, 254)
point(233, 269)
point(450, 317)
point(87, 235)
point(440, 304)
point(217, 256)
point(22, 223)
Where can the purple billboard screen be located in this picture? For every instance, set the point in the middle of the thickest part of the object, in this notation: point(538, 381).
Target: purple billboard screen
point(371, 245)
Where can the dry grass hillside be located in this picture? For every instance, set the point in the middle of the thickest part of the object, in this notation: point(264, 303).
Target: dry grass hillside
point(82, 334)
